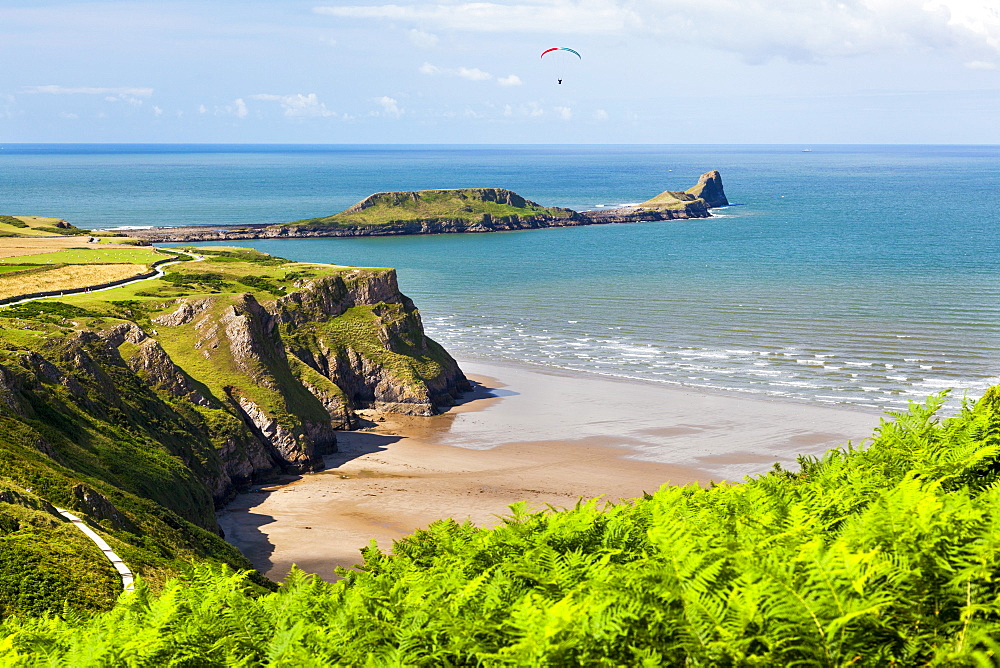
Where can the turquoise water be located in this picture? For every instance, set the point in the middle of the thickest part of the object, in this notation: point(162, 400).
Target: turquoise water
point(857, 275)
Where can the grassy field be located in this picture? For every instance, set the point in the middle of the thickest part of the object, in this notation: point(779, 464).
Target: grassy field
point(72, 268)
point(92, 255)
point(22, 247)
point(66, 278)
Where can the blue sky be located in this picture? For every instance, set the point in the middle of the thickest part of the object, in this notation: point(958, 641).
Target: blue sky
point(653, 71)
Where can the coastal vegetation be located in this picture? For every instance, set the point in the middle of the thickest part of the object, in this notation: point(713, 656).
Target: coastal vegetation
point(144, 407)
point(876, 554)
point(468, 205)
point(37, 226)
point(72, 268)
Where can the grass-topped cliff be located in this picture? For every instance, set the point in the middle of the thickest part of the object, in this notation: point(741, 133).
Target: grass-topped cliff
point(883, 555)
point(705, 194)
point(143, 407)
point(37, 226)
point(458, 206)
point(458, 210)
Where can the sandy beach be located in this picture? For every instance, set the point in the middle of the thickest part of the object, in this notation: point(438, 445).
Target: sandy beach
point(540, 436)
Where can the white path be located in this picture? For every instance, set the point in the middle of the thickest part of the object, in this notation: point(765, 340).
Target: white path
point(128, 578)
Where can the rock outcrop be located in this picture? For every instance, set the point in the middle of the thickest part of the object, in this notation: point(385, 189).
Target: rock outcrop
point(709, 188)
point(237, 387)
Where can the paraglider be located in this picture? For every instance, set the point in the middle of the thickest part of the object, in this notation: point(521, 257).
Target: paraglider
point(560, 48)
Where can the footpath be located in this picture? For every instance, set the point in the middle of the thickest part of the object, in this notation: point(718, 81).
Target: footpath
point(128, 578)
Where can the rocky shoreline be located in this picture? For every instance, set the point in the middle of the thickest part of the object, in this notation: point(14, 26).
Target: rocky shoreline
point(669, 205)
point(236, 232)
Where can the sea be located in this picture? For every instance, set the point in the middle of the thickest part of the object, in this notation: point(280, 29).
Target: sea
point(847, 275)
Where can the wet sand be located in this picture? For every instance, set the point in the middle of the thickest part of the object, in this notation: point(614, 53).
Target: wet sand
point(544, 437)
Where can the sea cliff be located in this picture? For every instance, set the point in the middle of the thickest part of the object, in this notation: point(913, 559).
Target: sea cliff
point(145, 409)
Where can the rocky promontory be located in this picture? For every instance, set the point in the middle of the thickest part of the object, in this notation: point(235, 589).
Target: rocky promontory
point(457, 210)
point(145, 408)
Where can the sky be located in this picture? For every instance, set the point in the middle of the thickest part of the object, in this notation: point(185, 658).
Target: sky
point(368, 71)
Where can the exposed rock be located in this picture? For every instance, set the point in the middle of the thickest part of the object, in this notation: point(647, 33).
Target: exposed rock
point(185, 313)
point(709, 188)
point(122, 332)
point(99, 508)
point(152, 362)
point(297, 453)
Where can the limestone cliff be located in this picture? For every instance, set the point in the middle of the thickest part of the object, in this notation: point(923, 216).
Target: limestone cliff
point(143, 414)
point(709, 188)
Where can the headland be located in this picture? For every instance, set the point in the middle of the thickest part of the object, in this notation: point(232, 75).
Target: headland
point(473, 210)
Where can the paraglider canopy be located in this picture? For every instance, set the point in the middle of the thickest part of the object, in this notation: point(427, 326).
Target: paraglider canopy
point(560, 48)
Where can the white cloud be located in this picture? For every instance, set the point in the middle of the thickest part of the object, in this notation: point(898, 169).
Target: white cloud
point(527, 110)
point(424, 40)
point(473, 74)
point(202, 109)
point(791, 29)
point(980, 65)
point(601, 115)
point(157, 111)
point(241, 108)
point(131, 96)
point(298, 105)
point(469, 73)
point(117, 93)
point(559, 16)
point(565, 113)
point(390, 107)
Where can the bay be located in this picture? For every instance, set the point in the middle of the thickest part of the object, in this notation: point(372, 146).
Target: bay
point(862, 275)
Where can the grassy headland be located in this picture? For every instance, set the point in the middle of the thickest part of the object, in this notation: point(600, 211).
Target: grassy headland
point(458, 210)
point(141, 407)
point(467, 205)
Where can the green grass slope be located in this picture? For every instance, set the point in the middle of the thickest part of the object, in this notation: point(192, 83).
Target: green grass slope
point(37, 226)
point(670, 199)
point(465, 204)
point(870, 556)
point(141, 408)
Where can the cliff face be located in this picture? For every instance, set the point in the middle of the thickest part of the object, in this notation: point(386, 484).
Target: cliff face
point(709, 188)
point(142, 415)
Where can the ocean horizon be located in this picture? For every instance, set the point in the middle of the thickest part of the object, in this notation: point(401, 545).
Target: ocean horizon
point(853, 275)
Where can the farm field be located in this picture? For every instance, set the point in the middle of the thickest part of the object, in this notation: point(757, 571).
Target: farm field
point(92, 255)
point(66, 278)
point(23, 271)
